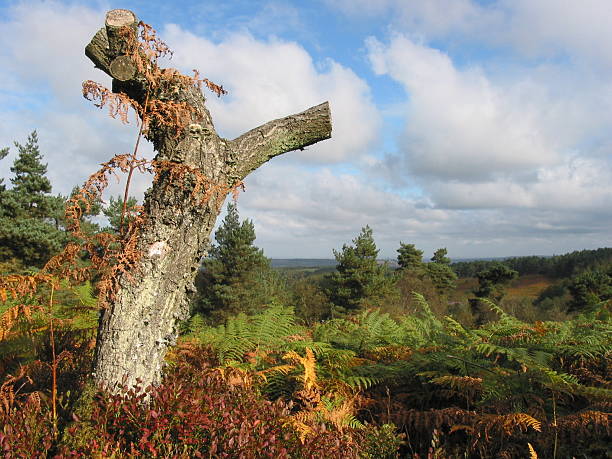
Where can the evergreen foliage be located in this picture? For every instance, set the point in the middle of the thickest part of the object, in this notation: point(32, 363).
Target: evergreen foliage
point(441, 273)
point(30, 184)
point(557, 266)
point(437, 273)
point(440, 257)
point(409, 257)
point(492, 281)
point(3, 153)
point(590, 288)
point(442, 276)
point(359, 280)
point(114, 209)
point(29, 216)
point(236, 276)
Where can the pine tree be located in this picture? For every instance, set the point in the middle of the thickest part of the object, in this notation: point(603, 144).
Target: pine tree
point(29, 215)
point(589, 289)
point(114, 210)
point(409, 257)
point(440, 272)
point(359, 280)
point(492, 282)
point(236, 276)
point(440, 257)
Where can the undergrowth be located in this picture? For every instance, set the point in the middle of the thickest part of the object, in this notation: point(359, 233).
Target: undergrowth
point(486, 392)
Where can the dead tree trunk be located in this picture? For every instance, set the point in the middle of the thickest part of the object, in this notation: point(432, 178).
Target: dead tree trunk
point(140, 322)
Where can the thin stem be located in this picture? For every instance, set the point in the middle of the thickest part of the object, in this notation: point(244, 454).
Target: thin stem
point(54, 361)
point(555, 424)
point(132, 167)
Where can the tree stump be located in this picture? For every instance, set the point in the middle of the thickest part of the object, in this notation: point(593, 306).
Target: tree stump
point(140, 321)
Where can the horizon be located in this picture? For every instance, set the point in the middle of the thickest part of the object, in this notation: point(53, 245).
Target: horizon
point(482, 126)
point(453, 259)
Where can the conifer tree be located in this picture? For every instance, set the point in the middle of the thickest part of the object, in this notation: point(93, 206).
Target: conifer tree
point(236, 276)
point(114, 210)
point(409, 257)
point(589, 289)
point(359, 280)
point(492, 282)
point(440, 272)
point(29, 214)
point(31, 187)
point(440, 257)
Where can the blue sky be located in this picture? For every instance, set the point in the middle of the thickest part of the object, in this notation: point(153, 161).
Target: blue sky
point(480, 126)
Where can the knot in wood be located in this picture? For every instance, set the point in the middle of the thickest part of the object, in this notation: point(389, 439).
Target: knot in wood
point(196, 131)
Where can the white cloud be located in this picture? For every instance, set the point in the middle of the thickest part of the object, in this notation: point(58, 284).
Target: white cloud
point(579, 30)
point(274, 78)
point(43, 45)
point(300, 213)
point(459, 124)
point(577, 186)
point(524, 156)
point(325, 209)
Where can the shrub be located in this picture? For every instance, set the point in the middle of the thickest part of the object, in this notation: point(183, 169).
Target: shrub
point(204, 412)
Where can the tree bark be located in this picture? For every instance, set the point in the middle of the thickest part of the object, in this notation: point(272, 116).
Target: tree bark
point(141, 319)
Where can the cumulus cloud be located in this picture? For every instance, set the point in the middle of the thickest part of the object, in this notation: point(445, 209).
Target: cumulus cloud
point(575, 186)
point(274, 78)
point(578, 30)
point(325, 208)
point(460, 125)
point(530, 152)
point(496, 156)
point(300, 213)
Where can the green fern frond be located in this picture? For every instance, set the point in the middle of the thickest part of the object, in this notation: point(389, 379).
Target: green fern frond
point(360, 382)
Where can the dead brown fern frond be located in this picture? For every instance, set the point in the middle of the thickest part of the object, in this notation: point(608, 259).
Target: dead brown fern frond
point(168, 114)
point(12, 317)
point(577, 424)
point(118, 104)
point(20, 285)
point(120, 262)
point(522, 421)
point(309, 376)
point(151, 45)
point(532, 452)
point(8, 393)
point(218, 90)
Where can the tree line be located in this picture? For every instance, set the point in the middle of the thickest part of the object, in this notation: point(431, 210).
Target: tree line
point(556, 266)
